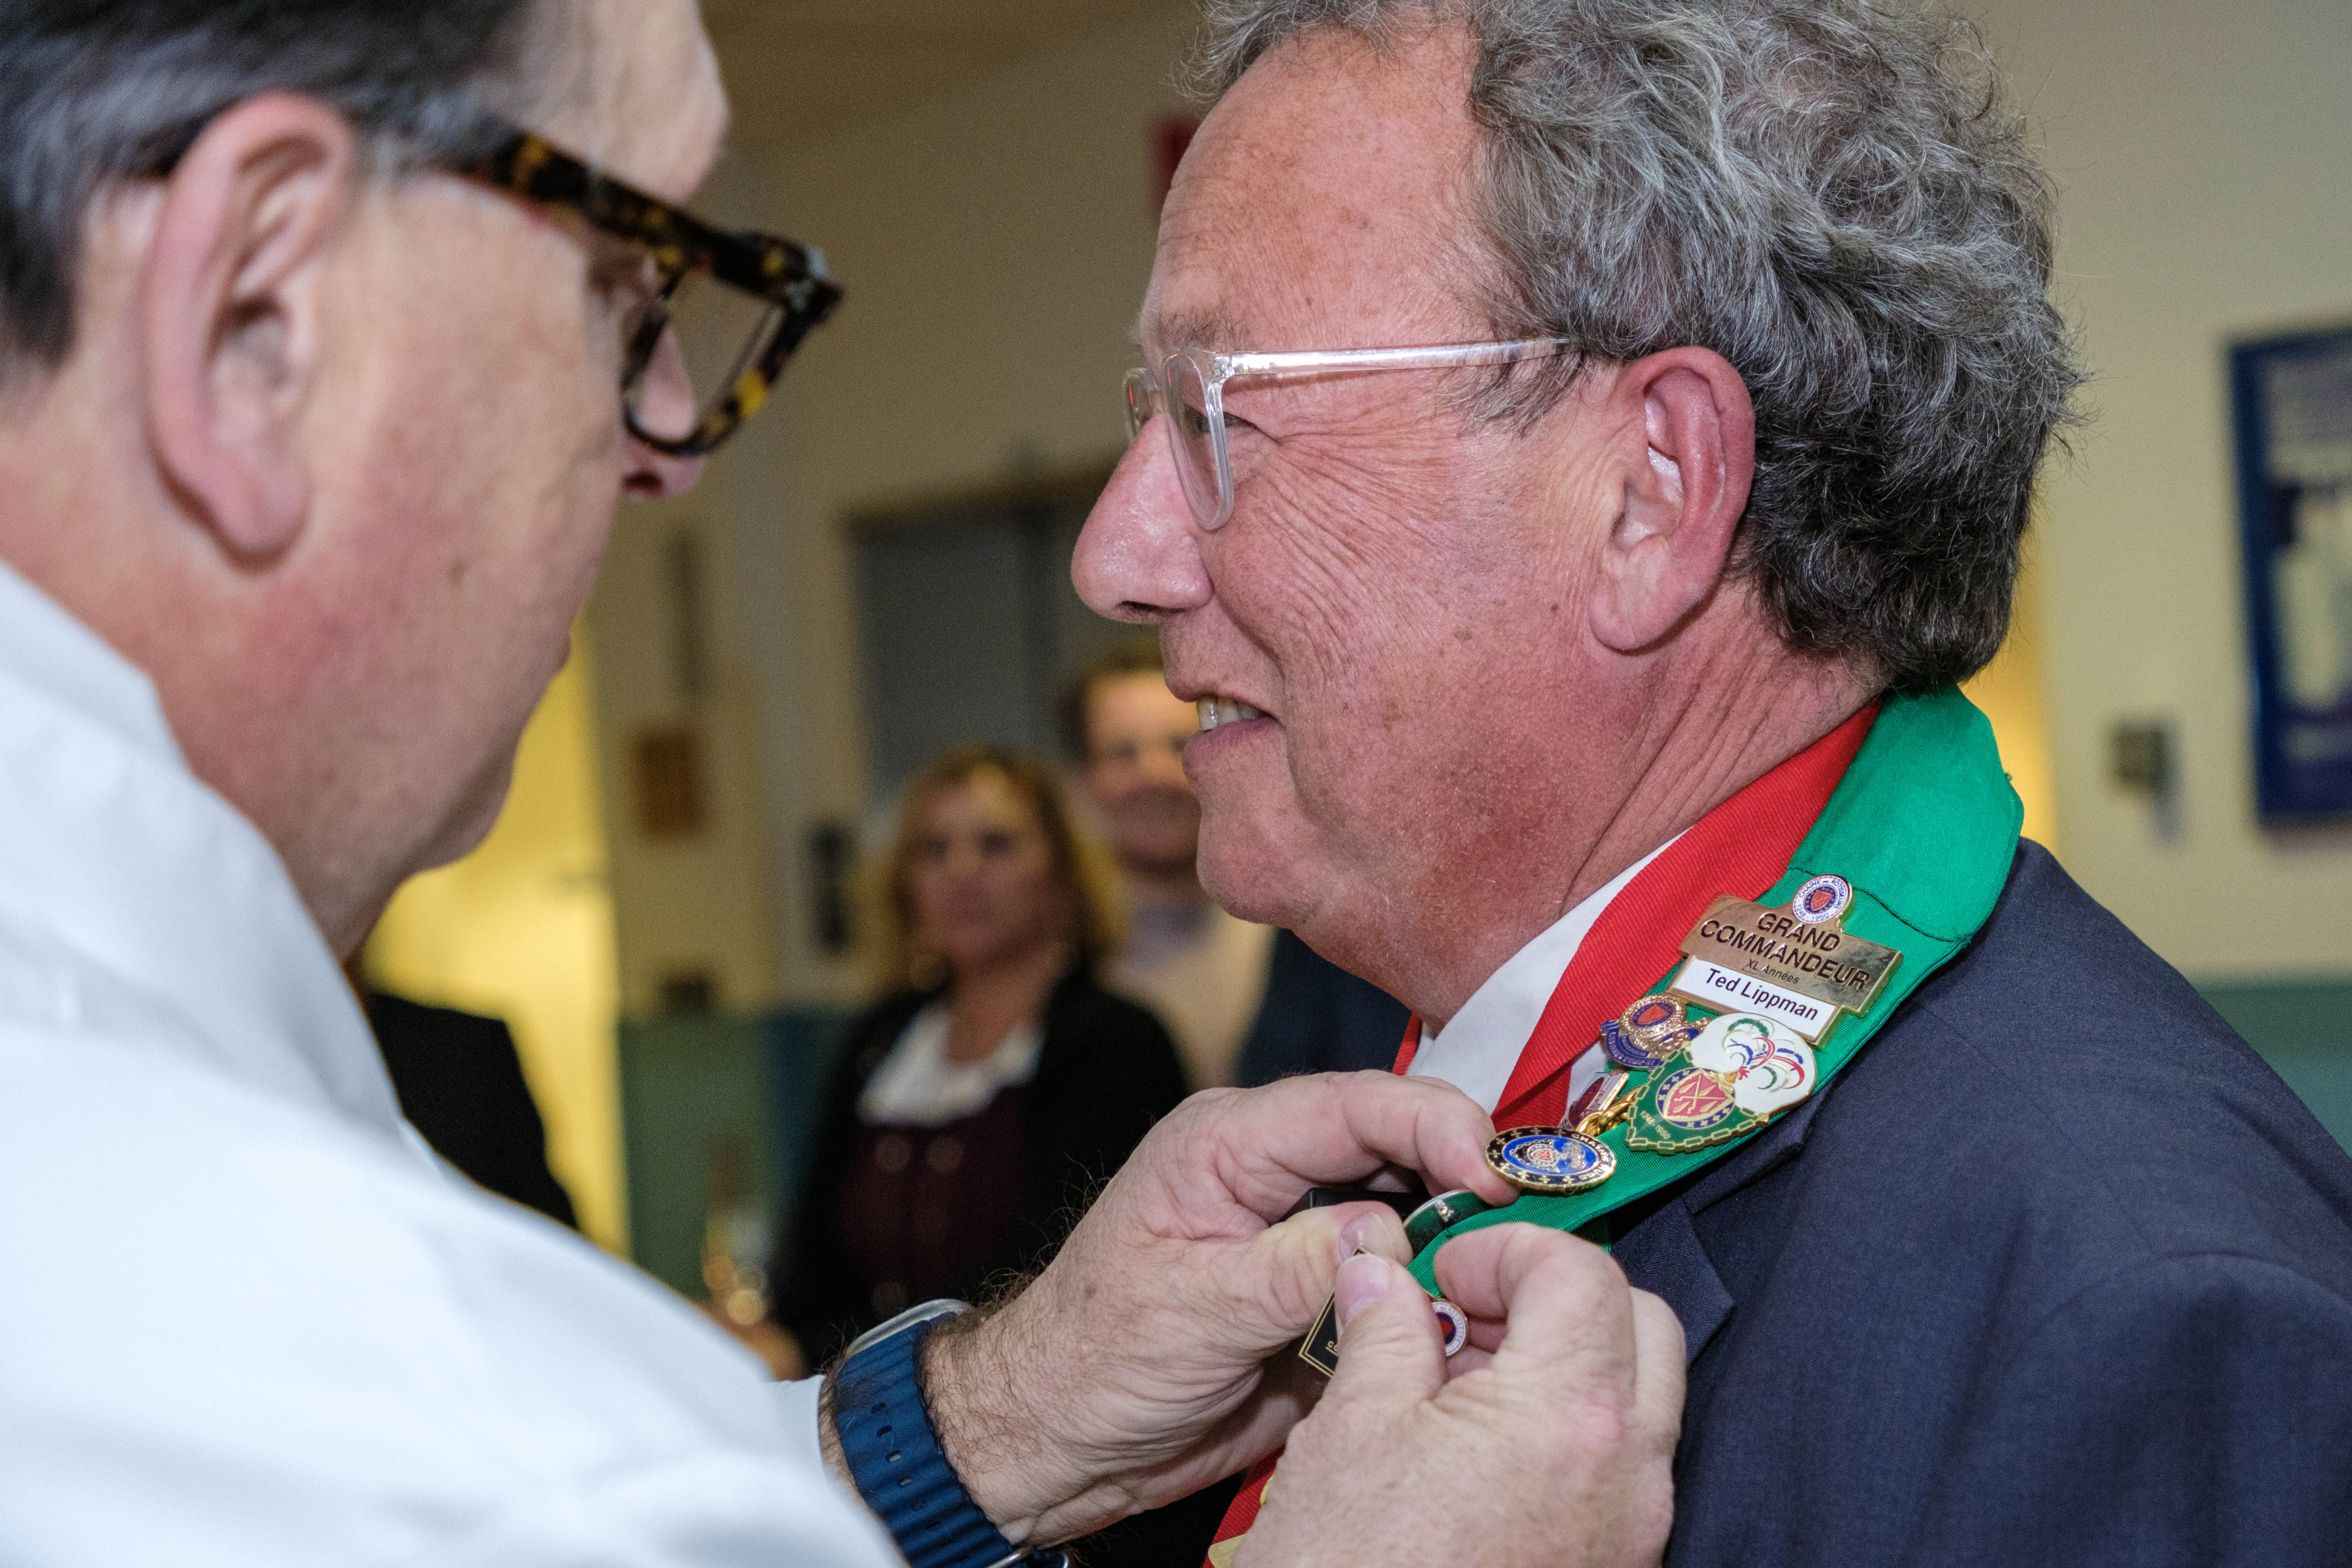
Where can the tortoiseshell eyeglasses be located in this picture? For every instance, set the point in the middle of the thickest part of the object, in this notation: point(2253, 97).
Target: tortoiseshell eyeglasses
point(724, 309)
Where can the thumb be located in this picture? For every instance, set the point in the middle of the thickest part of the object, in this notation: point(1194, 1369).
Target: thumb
point(1390, 1344)
point(1279, 1285)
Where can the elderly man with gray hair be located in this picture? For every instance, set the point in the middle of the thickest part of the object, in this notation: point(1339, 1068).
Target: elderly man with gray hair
point(1582, 444)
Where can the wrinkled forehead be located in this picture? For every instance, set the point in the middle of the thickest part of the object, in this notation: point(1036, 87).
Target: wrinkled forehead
point(1325, 204)
point(633, 86)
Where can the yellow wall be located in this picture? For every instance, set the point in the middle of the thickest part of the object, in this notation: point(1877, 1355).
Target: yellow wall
point(522, 929)
point(698, 904)
point(2014, 693)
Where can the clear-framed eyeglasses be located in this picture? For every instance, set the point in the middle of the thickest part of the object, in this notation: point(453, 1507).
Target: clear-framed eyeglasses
point(1190, 392)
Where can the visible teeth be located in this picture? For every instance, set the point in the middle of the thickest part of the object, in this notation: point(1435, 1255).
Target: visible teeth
point(1215, 711)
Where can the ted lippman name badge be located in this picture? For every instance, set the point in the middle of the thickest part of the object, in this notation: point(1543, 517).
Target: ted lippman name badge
point(1795, 964)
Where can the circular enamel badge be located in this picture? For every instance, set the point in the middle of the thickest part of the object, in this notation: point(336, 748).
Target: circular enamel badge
point(1693, 1100)
point(1654, 1022)
point(1456, 1322)
point(1626, 1052)
point(1823, 898)
point(1549, 1159)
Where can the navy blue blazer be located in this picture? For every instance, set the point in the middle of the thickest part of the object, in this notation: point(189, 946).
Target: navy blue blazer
point(2056, 1272)
point(1318, 1018)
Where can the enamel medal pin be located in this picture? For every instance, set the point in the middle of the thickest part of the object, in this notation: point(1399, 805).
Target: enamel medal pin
point(1779, 979)
point(1647, 1034)
point(1741, 1072)
point(1571, 1158)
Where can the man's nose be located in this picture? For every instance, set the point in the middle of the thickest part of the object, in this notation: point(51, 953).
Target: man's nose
point(666, 401)
point(1138, 558)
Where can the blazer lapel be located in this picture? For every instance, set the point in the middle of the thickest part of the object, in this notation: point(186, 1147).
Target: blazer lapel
point(1663, 1254)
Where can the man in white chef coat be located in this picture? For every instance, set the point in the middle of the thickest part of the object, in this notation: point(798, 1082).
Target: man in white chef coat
point(311, 435)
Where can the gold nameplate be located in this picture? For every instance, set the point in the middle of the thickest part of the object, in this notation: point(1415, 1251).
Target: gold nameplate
point(1813, 958)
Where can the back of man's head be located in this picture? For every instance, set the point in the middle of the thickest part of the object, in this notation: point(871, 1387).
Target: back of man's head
point(94, 92)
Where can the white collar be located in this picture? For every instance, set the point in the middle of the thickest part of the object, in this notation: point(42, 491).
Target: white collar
point(920, 1084)
point(1479, 1047)
point(133, 887)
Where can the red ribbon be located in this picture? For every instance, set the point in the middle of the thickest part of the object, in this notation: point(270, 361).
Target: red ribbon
point(1741, 847)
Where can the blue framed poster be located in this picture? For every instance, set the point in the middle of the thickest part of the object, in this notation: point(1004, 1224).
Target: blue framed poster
point(2291, 404)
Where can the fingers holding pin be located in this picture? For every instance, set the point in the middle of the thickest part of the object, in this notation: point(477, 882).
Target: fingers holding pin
point(1457, 1326)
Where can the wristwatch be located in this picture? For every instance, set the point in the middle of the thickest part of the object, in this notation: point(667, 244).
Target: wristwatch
point(894, 1456)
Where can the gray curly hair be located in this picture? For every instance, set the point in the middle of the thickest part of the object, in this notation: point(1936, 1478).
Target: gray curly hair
point(1833, 195)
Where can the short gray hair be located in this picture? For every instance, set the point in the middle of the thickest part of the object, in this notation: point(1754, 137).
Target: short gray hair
point(1834, 196)
point(95, 92)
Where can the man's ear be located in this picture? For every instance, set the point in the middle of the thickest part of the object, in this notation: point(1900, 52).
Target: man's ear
point(230, 295)
point(1684, 494)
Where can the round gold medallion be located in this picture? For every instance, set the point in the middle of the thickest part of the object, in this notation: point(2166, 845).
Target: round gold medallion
point(1658, 1021)
point(1550, 1159)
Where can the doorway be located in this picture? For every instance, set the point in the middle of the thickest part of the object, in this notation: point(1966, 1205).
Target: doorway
point(968, 626)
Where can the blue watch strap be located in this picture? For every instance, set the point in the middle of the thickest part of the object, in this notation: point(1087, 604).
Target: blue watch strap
point(894, 1458)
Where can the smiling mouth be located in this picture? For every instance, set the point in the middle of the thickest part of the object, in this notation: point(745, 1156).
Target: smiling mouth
point(1215, 711)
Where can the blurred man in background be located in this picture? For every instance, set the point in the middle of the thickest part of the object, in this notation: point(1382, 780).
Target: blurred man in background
point(1247, 1003)
point(1201, 970)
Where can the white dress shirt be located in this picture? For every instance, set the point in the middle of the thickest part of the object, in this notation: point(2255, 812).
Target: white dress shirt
point(1479, 1046)
point(246, 1320)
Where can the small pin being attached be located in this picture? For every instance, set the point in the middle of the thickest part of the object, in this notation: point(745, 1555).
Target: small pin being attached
point(1320, 1348)
point(1457, 1325)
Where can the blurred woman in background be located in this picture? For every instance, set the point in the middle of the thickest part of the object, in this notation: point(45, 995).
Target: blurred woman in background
point(980, 1104)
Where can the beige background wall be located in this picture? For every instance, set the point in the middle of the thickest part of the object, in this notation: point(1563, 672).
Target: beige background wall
point(994, 243)
point(2204, 156)
point(695, 905)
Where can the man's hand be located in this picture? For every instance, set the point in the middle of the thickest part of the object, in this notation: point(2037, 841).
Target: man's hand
point(1133, 1371)
point(1558, 1451)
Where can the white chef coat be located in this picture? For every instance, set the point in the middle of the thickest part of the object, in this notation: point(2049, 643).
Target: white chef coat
point(246, 1320)
point(1479, 1046)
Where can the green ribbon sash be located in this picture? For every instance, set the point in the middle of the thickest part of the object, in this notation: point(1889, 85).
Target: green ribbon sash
point(1924, 826)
